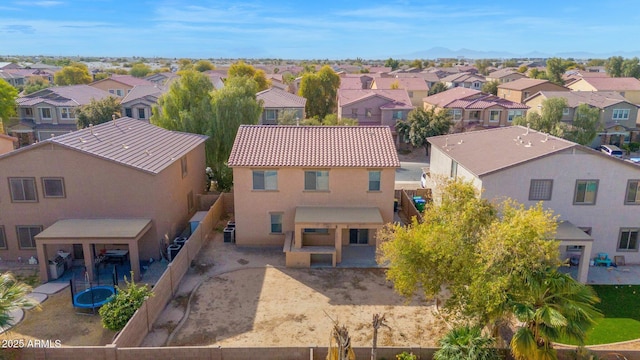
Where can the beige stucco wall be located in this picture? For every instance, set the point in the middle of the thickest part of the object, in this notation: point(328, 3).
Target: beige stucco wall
point(6, 145)
point(109, 84)
point(97, 188)
point(520, 95)
point(633, 96)
point(347, 188)
point(135, 106)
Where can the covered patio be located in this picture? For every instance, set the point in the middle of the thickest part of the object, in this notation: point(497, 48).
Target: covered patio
point(90, 232)
point(337, 226)
point(570, 235)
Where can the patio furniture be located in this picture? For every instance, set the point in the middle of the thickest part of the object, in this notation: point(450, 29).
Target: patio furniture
point(603, 260)
point(619, 260)
point(119, 256)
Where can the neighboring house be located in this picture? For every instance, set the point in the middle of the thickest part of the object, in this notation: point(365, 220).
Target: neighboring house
point(374, 107)
point(51, 112)
point(119, 85)
point(521, 89)
point(32, 73)
point(139, 102)
point(357, 81)
point(7, 143)
point(465, 80)
point(216, 79)
point(276, 102)
point(416, 87)
point(617, 115)
point(505, 75)
point(14, 80)
point(163, 78)
point(595, 192)
point(574, 75)
point(627, 87)
point(8, 65)
point(314, 189)
point(123, 185)
point(474, 107)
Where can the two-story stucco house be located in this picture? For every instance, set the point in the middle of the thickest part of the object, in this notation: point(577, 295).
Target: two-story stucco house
point(125, 184)
point(627, 87)
point(139, 102)
point(312, 189)
point(374, 107)
point(465, 80)
point(119, 85)
point(595, 192)
point(505, 75)
point(416, 87)
point(51, 112)
point(276, 102)
point(521, 89)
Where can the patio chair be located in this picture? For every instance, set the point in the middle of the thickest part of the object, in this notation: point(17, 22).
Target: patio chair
point(603, 259)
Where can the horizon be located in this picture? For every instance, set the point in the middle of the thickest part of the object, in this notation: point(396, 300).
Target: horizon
point(333, 30)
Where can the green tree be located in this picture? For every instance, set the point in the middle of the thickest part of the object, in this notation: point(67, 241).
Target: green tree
point(523, 69)
point(491, 87)
point(510, 63)
point(393, 64)
point(422, 124)
point(631, 68)
point(466, 343)
point(549, 121)
point(116, 313)
point(185, 64)
point(240, 69)
point(140, 70)
point(321, 90)
point(437, 88)
point(74, 74)
point(97, 112)
point(35, 83)
point(596, 62)
point(416, 64)
point(614, 66)
point(555, 69)
point(8, 96)
point(13, 295)
point(333, 120)
point(483, 66)
point(535, 73)
point(100, 76)
point(585, 125)
point(232, 106)
point(551, 306)
point(288, 117)
point(203, 65)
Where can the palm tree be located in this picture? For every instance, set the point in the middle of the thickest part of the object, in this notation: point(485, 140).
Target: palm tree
point(551, 306)
point(12, 296)
point(466, 343)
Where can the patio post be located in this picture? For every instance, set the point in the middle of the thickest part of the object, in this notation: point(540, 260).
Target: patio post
point(583, 266)
point(338, 236)
point(43, 261)
point(87, 250)
point(134, 259)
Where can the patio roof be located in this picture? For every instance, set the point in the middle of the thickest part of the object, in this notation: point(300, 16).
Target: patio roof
point(95, 229)
point(338, 215)
point(566, 231)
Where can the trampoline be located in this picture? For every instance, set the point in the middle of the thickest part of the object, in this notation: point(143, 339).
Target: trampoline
point(94, 297)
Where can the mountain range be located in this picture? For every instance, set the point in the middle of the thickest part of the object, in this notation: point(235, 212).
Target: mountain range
point(442, 52)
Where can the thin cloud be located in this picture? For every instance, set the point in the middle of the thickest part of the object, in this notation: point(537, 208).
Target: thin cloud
point(43, 3)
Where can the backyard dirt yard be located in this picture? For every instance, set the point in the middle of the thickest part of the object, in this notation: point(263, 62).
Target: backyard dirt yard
point(295, 307)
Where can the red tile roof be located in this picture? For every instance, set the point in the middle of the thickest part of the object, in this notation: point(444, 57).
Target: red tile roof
point(129, 80)
point(313, 146)
point(470, 99)
point(444, 98)
point(599, 99)
point(612, 84)
point(408, 83)
point(523, 84)
point(348, 96)
point(277, 98)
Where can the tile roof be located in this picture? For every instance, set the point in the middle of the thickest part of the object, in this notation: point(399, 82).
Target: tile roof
point(277, 98)
point(462, 77)
point(612, 84)
point(142, 91)
point(313, 146)
point(503, 72)
point(446, 97)
point(350, 83)
point(408, 83)
point(128, 142)
point(599, 99)
point(73, 95)
point(348, 96)
point(486, 151)
point(130, 80)
point(522, 84)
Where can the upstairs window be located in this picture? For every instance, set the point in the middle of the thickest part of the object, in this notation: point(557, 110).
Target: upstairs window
point(271, 115)
point(141, 113)
point(316, 180)
point(586, 191)
point(632, 196)
point(23, 189)
point(45, 113)
point(620, 114)
point(67, 113)
point(128, 112)
point(265, 180)
point(53, 187)
point(3, 238)
point(374, 180)
point(540, 189)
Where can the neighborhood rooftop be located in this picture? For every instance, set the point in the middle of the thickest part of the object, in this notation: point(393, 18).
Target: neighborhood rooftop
point(129, 142)
point(314, 146)
point(274, 97)
point(600, 99)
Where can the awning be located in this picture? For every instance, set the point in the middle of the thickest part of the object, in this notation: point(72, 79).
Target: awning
point(338, 215)
point(566, 231)
point(95, 229)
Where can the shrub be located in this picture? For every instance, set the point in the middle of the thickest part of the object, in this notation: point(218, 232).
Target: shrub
point(116, 313)
point(406, 356)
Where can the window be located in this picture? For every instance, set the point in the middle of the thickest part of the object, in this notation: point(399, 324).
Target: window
point(23, 189)
point(265, 180)
point(513, 114)
point(524, 95)
point(628, 239)
point(410, 93)
point(633, 193)
point(28, 112)
point(141, 114)
point(374, 180)
point(26, 234)
point(456, 114)
point(183, 166)
point(316, 231)
point(67, 113)
point(454, 169)
point(398, 115)
point(586, 191)
point(474, 114)
point(272, 115)
point(316, 180)
point(53, 187)
point(354, 113)
point(540, 189)
point(190, 203)
point(128, 112)
point(119, 92)
point(368, 112)
point(112, 91)
point(276, 223)
point(566, 111)
point(494, 115)
point(620, 114)
point(45, 113)
point(3, 238)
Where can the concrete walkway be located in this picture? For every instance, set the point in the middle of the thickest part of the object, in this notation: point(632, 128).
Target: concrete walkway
point(601, 275)
point(38, 295)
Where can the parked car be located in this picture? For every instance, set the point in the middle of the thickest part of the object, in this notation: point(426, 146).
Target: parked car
point(611, 150)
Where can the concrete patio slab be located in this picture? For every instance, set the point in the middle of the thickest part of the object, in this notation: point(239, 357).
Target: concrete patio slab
point(37, 297)
point(50, 288)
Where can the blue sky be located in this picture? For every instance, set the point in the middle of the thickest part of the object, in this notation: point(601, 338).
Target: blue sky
point(327, 29)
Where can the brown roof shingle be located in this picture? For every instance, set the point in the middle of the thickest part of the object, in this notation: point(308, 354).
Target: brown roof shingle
point(277, 98)
point(313, 146)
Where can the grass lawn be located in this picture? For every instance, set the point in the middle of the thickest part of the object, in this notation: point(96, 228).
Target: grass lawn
point(620, 305)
